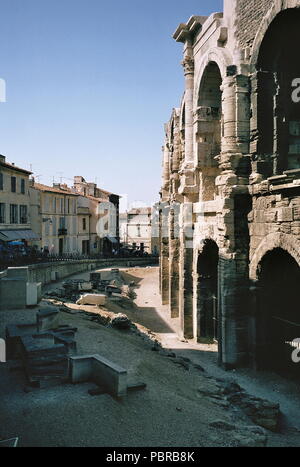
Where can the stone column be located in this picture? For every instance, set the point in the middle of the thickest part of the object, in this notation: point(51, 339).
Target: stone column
point(262, 125)
point(164, 253)
point(174, 260)
point(236, 114)
point(166, 171)
point(188, 179)
point(233, 312)
point(188, 65)
point(186, 270)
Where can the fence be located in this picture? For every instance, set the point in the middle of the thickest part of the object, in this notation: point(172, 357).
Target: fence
point(30, 260)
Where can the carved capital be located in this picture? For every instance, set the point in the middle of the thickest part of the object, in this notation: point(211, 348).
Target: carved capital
point(188, 65)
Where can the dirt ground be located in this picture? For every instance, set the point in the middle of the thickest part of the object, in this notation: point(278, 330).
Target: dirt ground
point(175, 409)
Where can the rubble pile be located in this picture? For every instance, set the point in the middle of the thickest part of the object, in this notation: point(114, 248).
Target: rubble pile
point(121, 321)
point(262, 412)
point(108, 284)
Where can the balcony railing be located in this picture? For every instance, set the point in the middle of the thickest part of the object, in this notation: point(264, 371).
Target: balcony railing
point(62, 231)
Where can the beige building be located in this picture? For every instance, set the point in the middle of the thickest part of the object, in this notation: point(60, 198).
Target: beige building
point(136, 230)
point(15, 220)
point(84, 215)
point(104, 216)
point(54, 210)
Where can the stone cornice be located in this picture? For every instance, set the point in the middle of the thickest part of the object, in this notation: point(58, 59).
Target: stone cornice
point(186, 31)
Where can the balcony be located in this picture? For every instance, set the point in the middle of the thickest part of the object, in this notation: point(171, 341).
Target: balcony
point(62, 231)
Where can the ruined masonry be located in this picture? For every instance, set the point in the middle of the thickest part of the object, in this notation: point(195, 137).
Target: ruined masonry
point(229, 213)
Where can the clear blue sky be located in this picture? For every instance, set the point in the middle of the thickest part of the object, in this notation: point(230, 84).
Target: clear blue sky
point(89, 86)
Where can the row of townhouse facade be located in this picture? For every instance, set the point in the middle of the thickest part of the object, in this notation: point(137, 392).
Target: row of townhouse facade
point(58, 220)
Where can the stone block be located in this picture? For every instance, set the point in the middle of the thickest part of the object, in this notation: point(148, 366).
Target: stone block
point(13, 333)
point(54, 276)
point(258, 230)
point(47, 318)
point(12, 294)
point(259, 215)
point(270, 215)
point(296, 213)
point(255, 241)
point(100, 371)
point(43, 359)
point(285, 215)
point(18, 273)
point(285, 227)
point(92, 299)
point(33, 293)
point(85, 286)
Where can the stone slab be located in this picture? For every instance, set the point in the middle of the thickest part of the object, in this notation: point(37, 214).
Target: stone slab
point(100, 371)
point(92, 299)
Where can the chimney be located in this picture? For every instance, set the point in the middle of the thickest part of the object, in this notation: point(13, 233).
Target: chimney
point(2, 158)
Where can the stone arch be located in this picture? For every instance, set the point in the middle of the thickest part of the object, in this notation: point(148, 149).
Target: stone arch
point(206, 259)
point(221, 57)
point(278, 7)
point(277, 317)
point(286, 242)
point(174, 141)
point(208, 121)
point(276, 119)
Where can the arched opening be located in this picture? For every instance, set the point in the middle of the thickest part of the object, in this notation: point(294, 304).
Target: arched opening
point(208, 132)
point(207, 292)
point(278, 319)
point(278, 115)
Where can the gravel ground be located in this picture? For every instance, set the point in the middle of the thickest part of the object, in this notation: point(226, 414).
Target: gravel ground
point(170, 412)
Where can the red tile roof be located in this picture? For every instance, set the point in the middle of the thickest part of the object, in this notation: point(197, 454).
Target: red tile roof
point(14, 167)
point(52, 189)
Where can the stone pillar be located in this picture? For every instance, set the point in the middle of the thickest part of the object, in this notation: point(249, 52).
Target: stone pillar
point(236, 114)
point(164, 253)
point(176, 152)
point(186, 270)
point(261, 125)
point(188, 179)
point(188, 65)
point(166, 172)
point(174, 261)
point(233, 311)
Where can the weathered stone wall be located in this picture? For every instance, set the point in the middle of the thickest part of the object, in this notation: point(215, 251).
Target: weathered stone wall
point(249, 14)
point(274, 222)
point(43, 272)
point(223, 179)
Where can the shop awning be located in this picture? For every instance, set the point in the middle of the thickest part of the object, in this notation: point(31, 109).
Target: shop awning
point(10, 235)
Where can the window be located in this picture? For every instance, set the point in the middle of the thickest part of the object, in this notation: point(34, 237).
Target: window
point(13, 213)
point(1, 181)
point(46, 203)
point(22, 186)
point(2, 213)
point(84, 223)
point(13, 184)
point(23, 214)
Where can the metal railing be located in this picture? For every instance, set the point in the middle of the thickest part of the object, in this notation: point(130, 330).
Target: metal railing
point(27, 260)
